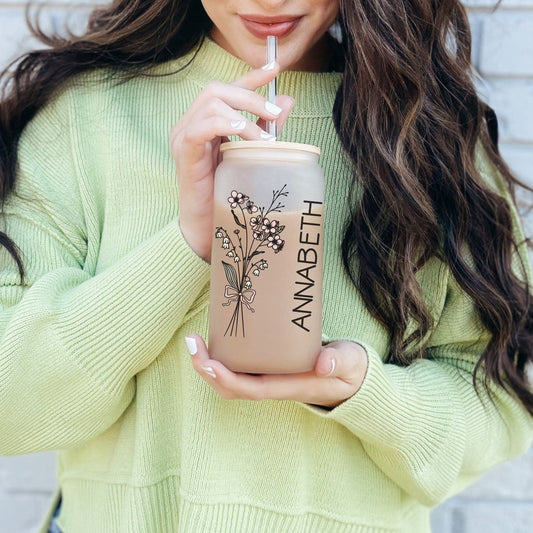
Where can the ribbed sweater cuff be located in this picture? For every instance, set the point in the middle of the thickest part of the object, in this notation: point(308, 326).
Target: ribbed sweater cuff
point(386, 408)
point(369, 413)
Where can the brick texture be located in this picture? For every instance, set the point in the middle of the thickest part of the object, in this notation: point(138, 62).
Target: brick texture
point(502, 502)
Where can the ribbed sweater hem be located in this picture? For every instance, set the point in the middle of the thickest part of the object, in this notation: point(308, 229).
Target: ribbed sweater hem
point(122, 508)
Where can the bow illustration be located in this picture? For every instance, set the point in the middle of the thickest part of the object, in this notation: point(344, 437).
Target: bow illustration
point(247, 296)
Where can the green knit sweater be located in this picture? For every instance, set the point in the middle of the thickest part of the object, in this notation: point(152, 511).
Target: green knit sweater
point(93, 361)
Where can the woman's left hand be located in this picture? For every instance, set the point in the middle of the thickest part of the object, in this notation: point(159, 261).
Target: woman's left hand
point(339, 371)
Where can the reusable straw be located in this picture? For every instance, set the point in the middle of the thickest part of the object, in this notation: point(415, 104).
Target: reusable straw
point(271, 55)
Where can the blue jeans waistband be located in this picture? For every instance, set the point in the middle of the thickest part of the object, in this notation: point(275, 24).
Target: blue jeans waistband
point(54, 528)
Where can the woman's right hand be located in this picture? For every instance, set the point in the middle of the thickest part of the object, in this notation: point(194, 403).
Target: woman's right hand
point(195, 142)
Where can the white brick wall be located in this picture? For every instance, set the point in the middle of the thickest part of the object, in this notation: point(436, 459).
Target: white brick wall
point(26, 483)
point(502, 502)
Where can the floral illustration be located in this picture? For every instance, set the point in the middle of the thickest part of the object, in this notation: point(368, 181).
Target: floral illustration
point(256, 233)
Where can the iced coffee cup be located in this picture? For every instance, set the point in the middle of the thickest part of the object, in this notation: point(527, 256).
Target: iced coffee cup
point(265, 312)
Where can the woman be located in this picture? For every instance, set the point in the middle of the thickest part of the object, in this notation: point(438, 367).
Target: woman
point(421, 385)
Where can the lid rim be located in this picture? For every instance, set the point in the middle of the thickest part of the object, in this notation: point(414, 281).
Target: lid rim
point(270, 145)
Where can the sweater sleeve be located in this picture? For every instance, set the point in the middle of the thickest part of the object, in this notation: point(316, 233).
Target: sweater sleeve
point(72, 341)
point(424, 425)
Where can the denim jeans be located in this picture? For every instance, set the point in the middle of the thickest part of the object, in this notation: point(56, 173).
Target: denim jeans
point(54, 528)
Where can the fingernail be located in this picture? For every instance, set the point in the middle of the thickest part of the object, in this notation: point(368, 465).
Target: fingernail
point(238, 124)
point(273, 108)
point(191, 345)
point(209, 371)
point(266, 136)
point(269, 66)
point(332, 366)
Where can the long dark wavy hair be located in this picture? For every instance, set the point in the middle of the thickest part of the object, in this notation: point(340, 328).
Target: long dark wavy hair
point(409, 117)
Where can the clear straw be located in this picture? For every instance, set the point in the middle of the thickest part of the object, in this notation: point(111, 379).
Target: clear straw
point(272, 55)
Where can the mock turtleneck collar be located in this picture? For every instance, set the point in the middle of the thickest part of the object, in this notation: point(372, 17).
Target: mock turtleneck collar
point(314, 92)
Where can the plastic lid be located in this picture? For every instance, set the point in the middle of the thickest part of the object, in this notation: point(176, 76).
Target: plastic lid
point(270, 145)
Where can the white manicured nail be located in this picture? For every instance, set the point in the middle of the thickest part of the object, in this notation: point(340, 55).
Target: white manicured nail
point(238, 124)
point(273, 108)
point(266, 136)
point(191, 345)
point(209, 371)
point(332, 367)
point(269, 66)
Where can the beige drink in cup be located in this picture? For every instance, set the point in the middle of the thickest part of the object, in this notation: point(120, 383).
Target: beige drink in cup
point(267, 258)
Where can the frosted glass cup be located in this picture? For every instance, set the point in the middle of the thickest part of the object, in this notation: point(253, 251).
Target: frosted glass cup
point(265, 312)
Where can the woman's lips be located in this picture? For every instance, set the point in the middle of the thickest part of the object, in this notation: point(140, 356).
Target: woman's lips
point(262, 27)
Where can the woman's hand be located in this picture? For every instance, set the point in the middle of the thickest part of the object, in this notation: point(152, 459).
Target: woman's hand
point(339, 372)
point(195, 141)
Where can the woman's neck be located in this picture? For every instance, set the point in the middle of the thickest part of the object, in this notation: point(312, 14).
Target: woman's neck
point(323, 56)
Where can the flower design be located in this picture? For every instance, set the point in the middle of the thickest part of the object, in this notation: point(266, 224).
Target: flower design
point(276, 243)
point(269, 226)
point(237, 198)
point(256, 222)
point(265, 233)
point(250, 207)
